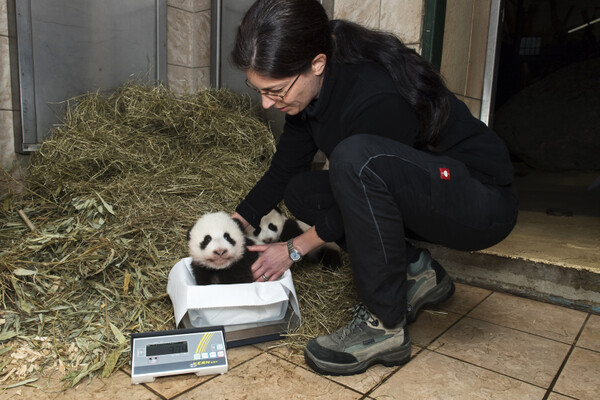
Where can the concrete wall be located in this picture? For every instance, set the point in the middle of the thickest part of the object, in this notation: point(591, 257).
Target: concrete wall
point(464, 51)
point(9, 96)
point(404, 18)
point(188, 45)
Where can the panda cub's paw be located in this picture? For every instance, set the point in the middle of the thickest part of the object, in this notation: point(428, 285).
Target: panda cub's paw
point(276, 227)
point(217, 246)
point(329, 257)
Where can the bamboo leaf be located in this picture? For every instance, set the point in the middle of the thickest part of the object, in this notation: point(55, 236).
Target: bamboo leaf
point(106, 205)
point(120, 337)
point(24, 272)
point(111, 361)
point(86, 372)
point(5, 350)
point(6, 202)
point(4, 364)
point(25, 382)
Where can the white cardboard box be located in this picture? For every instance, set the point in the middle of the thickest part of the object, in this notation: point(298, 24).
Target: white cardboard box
point(234, 306)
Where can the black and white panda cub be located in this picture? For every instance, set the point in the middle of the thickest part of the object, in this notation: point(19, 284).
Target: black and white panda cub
point(217, 245)
point(276, 227)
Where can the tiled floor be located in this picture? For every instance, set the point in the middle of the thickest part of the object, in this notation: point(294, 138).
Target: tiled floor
point(478, 345)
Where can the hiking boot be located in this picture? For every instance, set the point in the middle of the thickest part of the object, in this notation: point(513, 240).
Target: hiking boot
point(428, 284)
point(360, 344)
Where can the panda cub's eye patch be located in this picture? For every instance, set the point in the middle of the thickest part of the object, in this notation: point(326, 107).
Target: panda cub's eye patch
point(205, 242)
point(273, 227)
point(257, 231)
point(229, 238)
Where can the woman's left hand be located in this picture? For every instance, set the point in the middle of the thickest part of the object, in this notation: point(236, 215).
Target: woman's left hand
point(272, 263)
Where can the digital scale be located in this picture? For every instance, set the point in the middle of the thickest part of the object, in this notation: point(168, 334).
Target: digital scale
point(245, 334)
point(207, 327)
point(202, 351)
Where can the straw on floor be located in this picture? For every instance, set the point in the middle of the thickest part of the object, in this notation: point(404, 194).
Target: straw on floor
point(88, 241)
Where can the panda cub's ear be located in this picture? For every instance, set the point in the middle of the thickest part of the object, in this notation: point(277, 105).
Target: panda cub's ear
point(239, 223)
point(290, 229)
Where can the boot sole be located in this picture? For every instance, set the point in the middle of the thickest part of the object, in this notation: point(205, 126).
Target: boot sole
point(398, 357)
point(440, 293)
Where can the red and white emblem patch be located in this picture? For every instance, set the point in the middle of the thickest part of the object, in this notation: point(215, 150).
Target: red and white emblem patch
point(445, 174)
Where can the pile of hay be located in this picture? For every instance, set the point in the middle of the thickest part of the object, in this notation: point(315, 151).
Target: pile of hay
point(86, 248)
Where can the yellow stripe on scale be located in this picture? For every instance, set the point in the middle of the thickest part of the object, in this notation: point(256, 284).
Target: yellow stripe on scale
point(204, 342)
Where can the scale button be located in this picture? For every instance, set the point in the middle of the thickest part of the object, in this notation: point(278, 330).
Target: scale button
point(213, 354)
point(204, 355)
point(220, 353)
point(197, 356)
point(220, 346)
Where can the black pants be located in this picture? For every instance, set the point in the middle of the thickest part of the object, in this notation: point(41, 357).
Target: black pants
point(378, 192)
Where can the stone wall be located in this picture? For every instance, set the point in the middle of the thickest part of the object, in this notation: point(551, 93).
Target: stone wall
point(188, 45)
point(9, 96)
point(402, 17)
point(464, 51)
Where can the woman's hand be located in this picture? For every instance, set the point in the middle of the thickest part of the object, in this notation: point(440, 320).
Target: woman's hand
point(275, 259)
point(272, 263)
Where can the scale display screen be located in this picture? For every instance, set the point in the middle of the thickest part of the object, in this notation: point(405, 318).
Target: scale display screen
point(199, 350)
point(166, 348)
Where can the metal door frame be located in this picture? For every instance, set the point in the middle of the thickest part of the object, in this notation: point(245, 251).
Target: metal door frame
point(492, 58)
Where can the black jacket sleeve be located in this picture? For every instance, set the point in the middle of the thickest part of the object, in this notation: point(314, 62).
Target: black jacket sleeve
point(294, 154)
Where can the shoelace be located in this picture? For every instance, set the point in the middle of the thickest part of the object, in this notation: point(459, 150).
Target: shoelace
point(359, 314)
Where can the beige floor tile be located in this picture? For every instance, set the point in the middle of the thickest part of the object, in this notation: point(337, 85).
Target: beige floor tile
point(551, 321)
point(556, 396)
point(464, 299)
point(434, 376)
point(273, 344)
point(44, 388)
point(429, 325)
point(517, 354)
point(367, 380)
point(269, 377)
point(590, 337)
point(170, 386)
point(361, 382)
point(118, 386)
point(580, 377)
point(281, 349)
point(372, 377)
point(238, 355)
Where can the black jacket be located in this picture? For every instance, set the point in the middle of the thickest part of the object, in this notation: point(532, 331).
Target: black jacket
point(362, 99)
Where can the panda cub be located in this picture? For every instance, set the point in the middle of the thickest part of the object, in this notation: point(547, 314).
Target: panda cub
point(276, 227)
point(217, 245)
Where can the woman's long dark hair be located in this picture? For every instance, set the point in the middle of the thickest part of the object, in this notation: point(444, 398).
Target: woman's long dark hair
point(280, 38)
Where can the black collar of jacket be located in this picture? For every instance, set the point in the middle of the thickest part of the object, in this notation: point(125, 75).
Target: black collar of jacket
point(318, 106)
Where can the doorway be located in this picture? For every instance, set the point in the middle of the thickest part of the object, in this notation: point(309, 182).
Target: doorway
point(548, 83)
point(547, 111)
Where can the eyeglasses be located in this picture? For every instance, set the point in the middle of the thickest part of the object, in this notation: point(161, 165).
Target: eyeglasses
point(271, 95)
